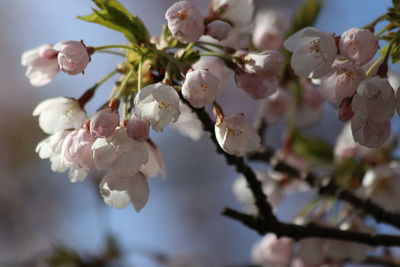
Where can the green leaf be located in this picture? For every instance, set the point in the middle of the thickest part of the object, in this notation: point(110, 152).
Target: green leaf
point(113, 15)
point(312, 149)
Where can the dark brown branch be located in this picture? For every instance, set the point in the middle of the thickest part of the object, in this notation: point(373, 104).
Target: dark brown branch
point(297, 232)
point(261, 202)
point(329, 187)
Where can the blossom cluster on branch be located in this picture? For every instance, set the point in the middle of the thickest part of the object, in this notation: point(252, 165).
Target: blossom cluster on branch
point(290, 68)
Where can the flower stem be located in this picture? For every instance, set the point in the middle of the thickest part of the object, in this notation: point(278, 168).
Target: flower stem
point(376, 21)
point(216, 54)
point(211, 44)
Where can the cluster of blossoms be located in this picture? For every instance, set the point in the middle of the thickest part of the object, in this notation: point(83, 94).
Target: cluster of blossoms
point(340, 63)
point(165, 81)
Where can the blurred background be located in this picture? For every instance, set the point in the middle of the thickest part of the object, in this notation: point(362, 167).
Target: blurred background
point(40, 210)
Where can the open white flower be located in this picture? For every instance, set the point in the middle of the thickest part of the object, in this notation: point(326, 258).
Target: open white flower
point(313, 52)
point(58, 114)
point(120, 153)
point(271, 251)
point(119, 191)
point(155, 164)
point(158, 104)
point(238, 12)
point(235, 136)
point(41, 63)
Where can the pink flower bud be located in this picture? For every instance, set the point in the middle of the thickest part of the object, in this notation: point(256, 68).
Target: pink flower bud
point(266, 63)
point(269, 30)
point(77, 148)
point(218, 29)
point(200, 87)
point(185, 21)
point(137, 129)
point(104, 122)
point(276, 105)
point(235, 136)
point(345, 111)
point(41, 63)
point(341, 82)
point(271, 251)
point(72, 57)
point(358, 45)
point(257, 86)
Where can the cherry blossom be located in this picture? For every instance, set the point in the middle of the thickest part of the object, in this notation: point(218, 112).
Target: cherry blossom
point(235, 136)
point(137, 129)
point(267, 62)
point(188, 124)
point(77, 149)
point(51, 148)
point(158, 104)
point(72, 56)
point(119, 191)
point(58, 114)
point(215, 66)
point(41, 63)
point(104, 122)
point(238, 12)
point(269, 29)
point(382, 183)
point(257, 86)
point(276, 106)
point(185, 21)
point(218, 30)
point(358, 45)
point(368, 133)
point(313, 52)
point(341, 82)
point(271, 251)
point(120, 154)
point(311, 109)
point(155, 164)
point(200, 87)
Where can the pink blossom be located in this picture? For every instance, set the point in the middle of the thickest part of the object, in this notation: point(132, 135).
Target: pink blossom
point(271, 251)
point(341, 82)
point(269, 30)
point(313, 52)
point(155, 164)
point(358, 45)
point(235, 136)
point(238, 12)
point(41, 63)
point(374, 100)
point(311, 109)
point(213, 65)
point(200, 87)
point(369, 133)
point(77, 148)
point(104, 122)
point(137, 129)
point(185, 21)
point(257, 86)
point(119, 191)
point(218, 30)
point(267, 63)
point(72, 56)
point(276, 106)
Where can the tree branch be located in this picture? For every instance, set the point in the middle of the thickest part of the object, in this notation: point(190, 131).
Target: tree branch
point(329, 187)
point(298, 232)
point(263, 206)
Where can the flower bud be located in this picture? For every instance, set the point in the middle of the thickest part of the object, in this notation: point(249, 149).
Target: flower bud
point(200, 86)
point(257, 86)
point(72, 57)
point(276, 106)
point(266, 63)
point(137, 129)
point(77, 148)
point(269, 30)
point(358, 45)
point(235, 136)
point(185, 21)
point(104, 122)
point(218, 29)
point(41, 63)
